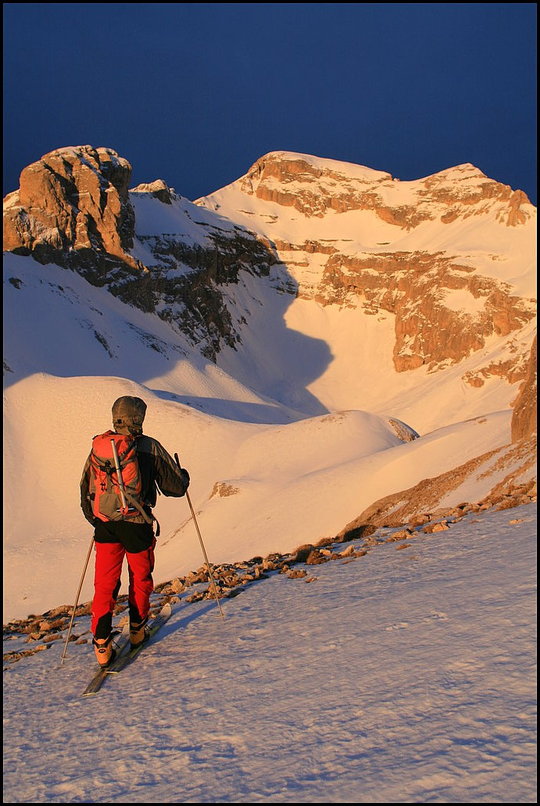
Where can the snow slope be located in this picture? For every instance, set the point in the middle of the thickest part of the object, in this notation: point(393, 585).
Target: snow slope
point(403, 676)
point(295, 480)
point(353, 367)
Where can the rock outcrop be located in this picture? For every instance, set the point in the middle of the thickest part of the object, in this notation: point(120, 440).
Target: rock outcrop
point(513, 473)
point(73, 206)
point(524, 418)
point(313, 187)
point(159, 189)
point(415, 287)
point(512, 470)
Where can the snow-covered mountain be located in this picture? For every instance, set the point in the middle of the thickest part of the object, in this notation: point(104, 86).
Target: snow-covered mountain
point(312, 338)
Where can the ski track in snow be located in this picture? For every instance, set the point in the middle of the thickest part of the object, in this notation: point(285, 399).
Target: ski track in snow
point(401, 676)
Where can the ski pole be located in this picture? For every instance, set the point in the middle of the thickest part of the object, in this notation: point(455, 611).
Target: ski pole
point(119, 476)
point(76, 602)
point(201, 542)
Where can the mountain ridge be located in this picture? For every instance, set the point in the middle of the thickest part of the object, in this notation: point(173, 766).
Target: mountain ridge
point(260, 335)
point(417, 286)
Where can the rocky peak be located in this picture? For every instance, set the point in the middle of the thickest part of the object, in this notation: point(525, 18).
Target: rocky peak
point(312, 185)
point(159, 189)
point(72, 202)
point(73, 208)
point(315, 186)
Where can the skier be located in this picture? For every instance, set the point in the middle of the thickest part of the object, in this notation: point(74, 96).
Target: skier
point(125, 530)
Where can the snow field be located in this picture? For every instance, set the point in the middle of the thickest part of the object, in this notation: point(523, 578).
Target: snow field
point(400, 676)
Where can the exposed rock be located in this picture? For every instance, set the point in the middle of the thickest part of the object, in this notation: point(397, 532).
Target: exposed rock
point(297, 573)
point(316, 557)
point(438, 526)
point(413, 286)
point(516, 463)
point(158, 189)
point(418, 288)
point(73, 209)
point(302, 553)
point(314, 186)
point(72, 203)
point(54, 626)
point(223, 489)
point(401, 534)
point(12, 657)
point(348, 552)
point(186, 284)
point(403, 431)
point(524, 417)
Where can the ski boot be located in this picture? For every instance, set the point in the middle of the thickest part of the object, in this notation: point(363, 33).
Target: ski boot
point(138, 633)
point(105, 652)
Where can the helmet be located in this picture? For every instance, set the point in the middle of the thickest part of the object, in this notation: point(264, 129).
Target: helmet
point(128, 415)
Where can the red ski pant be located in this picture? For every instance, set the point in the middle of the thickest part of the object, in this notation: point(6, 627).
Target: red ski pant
point(107, 578)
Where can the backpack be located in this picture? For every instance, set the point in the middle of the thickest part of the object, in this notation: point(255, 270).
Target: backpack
point(116, 497)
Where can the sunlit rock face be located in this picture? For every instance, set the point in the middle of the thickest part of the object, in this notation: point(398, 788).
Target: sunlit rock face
point(72, 200)
point(438, 253)
point(524, 418)
point(314, 187)
point(74, 209)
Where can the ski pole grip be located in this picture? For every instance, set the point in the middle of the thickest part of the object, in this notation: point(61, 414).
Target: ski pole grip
point(177, 460)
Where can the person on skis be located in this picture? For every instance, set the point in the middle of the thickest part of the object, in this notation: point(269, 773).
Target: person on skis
point(119, 507)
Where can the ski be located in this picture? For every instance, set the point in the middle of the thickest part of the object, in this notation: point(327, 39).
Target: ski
point(126, 657)
point(124, 653)
point(122, 647)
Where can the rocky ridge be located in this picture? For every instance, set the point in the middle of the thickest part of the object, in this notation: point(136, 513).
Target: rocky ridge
point(509, 473)
point(413, 286)
point(315, 186)
point(417, 286)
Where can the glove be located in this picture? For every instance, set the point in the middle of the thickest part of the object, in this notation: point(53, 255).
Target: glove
point(185, 477)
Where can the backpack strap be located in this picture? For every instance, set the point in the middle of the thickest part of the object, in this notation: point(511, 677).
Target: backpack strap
point(148, 518)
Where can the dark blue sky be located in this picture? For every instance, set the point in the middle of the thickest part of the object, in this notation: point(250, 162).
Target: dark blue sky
point(195, 93)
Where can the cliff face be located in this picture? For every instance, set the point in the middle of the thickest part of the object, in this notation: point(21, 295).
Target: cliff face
point(435, 253)
point(417, 287)
point(72, 204)
point(314, 187)
point(524, 418)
